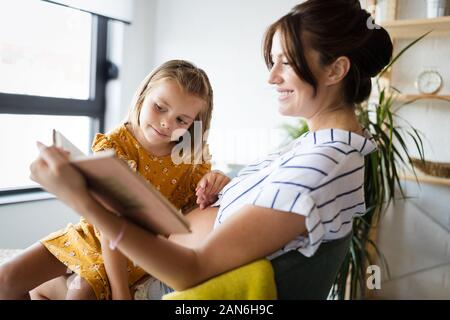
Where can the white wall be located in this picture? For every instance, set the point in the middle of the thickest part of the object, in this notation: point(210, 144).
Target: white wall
point(224, 38)
point(414, 234)
point(431, 117)
point(130, 47)
point(23, 224)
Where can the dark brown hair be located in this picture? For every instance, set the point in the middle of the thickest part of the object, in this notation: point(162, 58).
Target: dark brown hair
point(334, 28)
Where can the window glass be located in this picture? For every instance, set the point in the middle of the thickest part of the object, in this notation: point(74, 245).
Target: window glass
point(45, 49)
point(18, 136)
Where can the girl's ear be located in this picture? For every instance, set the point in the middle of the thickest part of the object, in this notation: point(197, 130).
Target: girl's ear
point(337, 70)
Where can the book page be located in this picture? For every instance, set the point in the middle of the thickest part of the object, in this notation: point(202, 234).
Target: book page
point(62, 142)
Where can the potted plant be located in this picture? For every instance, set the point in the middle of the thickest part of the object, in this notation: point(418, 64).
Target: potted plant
point(381, 182)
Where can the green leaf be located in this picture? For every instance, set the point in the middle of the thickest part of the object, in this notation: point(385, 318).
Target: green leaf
point(402, 52)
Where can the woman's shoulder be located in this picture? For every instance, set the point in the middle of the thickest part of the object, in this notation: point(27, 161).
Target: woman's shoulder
point(321, 156)
point(336, 143)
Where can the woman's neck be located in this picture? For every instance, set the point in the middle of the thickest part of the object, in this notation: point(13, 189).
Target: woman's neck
point(338, 117)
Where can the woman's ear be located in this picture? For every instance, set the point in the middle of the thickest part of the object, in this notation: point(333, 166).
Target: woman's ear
point(337, 70)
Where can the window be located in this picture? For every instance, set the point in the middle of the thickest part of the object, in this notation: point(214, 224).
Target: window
point(52, 76)
point(35, 54)
point(17, 140)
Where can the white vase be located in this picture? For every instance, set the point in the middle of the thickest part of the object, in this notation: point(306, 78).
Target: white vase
point(436, 8)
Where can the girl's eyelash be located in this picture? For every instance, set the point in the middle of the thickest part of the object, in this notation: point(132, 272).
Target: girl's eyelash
point(181, 121)
point(159, 109)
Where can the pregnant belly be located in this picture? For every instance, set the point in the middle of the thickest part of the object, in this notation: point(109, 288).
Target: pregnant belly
point(201, 222)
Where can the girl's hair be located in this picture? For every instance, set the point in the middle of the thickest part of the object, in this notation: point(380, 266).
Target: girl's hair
point(193, 81)
point(334, 28)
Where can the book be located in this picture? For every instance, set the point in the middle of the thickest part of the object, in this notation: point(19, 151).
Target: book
point(124, 191)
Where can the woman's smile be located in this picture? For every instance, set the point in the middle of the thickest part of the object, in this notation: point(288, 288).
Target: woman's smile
point(284, 94)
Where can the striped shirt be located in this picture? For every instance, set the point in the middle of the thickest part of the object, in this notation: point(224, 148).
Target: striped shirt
point(319, 175)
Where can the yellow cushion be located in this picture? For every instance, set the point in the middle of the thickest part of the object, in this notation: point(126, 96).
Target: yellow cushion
point(254, 281)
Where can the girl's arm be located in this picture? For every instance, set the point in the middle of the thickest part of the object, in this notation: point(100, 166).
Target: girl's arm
point(250, 234)
point(116, 269)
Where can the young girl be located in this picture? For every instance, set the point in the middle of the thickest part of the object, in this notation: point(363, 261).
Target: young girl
point(163, 110)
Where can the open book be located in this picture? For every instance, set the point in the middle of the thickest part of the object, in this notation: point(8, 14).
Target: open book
point(123, 191)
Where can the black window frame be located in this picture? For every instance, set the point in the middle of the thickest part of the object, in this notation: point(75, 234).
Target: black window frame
point(94, 107)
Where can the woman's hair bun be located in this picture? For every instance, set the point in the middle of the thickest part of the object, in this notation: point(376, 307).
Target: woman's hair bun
point(374, 54)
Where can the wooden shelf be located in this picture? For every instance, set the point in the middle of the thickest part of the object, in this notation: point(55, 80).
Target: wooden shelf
point(412, 97)
point(414, 28)
point(423, 178)
point(409, 97)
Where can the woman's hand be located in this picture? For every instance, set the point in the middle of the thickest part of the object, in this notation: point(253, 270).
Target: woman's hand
point(53, 171)
point(209, 186)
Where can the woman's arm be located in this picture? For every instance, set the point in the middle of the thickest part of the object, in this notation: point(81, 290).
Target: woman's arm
point(116, 269)
point(252, 233)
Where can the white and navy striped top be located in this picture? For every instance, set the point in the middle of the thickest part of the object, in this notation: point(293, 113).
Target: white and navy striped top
point(319, 175)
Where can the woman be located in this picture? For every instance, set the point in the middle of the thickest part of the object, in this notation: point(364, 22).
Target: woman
point(321, 57)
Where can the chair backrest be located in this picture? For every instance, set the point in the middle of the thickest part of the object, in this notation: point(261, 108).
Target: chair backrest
point(301, 278)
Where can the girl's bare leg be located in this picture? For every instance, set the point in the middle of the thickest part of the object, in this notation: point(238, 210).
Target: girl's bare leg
point(28, 270)
point(71, 287)
point(36, 265)
point(55, 289)
point(79, 289)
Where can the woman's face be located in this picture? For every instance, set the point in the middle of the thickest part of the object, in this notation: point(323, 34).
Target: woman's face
point(295, 96)
point(167, 113)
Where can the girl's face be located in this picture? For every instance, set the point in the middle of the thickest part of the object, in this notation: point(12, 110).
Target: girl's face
point(167, 113)
point(296, 97)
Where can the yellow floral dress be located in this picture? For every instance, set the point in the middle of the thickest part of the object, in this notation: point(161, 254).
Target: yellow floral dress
point(78, 246)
